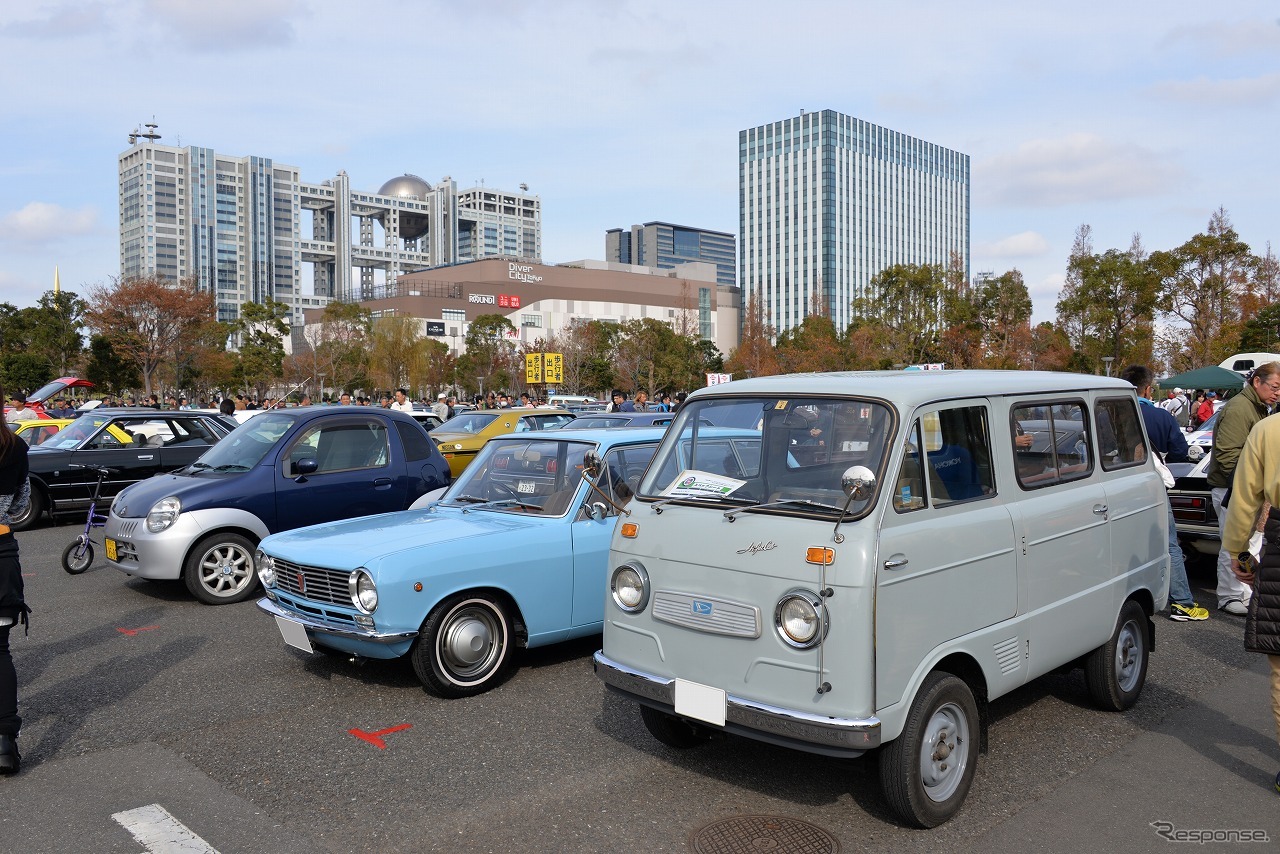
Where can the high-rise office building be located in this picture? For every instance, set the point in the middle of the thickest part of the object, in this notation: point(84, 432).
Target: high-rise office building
point(236, 225)
point(663, 245)
point(827, 201)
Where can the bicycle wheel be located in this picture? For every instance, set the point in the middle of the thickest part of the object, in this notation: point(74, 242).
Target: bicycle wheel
point(77, 556)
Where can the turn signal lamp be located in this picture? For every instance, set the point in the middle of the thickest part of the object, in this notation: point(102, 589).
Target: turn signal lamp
point(630, 529)
point(820, 555)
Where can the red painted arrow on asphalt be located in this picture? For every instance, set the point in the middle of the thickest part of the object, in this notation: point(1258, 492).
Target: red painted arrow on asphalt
point(374, 738)
point(132, 632)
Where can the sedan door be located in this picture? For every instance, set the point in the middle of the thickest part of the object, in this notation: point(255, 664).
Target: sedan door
point(139, 459)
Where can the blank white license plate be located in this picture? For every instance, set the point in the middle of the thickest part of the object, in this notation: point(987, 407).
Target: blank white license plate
point(294, 635)
point(700, 702)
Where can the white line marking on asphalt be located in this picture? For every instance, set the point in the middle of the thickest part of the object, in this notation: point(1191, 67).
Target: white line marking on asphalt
point(160, 832)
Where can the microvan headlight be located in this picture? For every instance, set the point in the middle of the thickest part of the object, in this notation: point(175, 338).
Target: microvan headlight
point(800, 618)
point(266, 566)
point(629, 586)
point(163, 514)
point(364, 592)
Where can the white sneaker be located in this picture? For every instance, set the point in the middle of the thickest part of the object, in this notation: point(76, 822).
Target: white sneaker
point(1234, 606)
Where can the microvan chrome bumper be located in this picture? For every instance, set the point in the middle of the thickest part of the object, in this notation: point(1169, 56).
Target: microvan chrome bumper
point(801, 730)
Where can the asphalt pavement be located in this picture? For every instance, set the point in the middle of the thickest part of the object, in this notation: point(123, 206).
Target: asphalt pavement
point(139, 701)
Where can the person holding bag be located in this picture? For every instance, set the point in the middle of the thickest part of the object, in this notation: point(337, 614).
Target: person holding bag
point(15, 493)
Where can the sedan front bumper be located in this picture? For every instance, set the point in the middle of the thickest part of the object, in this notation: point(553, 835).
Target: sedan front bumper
point(316, 627)
point(830, 736)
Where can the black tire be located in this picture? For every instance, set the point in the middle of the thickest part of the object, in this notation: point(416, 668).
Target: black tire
point(672, 731)
point(927, 770)
point(464, 647)
point(77, 556)
point(1116, 671)
point(28, 518)
point(219, 569)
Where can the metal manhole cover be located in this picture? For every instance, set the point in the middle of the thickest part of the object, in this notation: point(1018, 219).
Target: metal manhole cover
point(748, 834)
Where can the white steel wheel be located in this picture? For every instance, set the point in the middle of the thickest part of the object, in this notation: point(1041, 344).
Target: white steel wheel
point(219, 570)
point(926, 771)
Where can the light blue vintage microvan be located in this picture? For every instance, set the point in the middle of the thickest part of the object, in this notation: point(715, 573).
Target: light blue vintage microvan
point(888, 552)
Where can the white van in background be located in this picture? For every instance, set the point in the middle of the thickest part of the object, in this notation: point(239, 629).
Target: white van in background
point(1243, 363)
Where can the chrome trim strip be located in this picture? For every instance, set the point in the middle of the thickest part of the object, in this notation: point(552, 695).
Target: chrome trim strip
point(272, 609)
point(748, 716)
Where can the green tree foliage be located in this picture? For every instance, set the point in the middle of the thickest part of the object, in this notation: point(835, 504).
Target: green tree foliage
point(337, 353)
point(905, 301)
point(1201, 285)
point(107, 370)
point(399, 354)
point(57, 331)
point(489, 360)
point(261, 329)
point(1112, 303)
point(1261, 333)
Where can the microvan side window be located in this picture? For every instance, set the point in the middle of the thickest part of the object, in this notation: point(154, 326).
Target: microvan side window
point(1120, 439)
point(957, 447)
point(1051, 443)
point(783, 453)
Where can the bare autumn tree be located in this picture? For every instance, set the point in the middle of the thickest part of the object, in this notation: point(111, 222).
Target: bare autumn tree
point(145, 317)
point(755, 354)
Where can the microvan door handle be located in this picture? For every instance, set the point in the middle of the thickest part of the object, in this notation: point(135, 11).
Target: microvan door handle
point(895, 562)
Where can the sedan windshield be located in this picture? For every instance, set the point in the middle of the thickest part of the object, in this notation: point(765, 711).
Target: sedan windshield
point(245, 446)
point(783, 453)
point(467, 422)
point(534, 476)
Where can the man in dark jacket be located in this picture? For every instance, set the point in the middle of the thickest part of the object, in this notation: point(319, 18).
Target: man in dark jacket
point(1235, 420)
point(1257, 479)
point(1168, 439)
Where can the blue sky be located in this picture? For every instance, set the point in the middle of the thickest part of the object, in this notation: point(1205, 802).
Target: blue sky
point(1131, 117)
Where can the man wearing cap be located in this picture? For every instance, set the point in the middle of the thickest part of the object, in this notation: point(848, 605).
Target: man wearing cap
point(20, 412)
point(440, 408)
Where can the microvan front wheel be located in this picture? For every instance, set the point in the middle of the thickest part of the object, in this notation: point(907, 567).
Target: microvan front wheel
point(926, 771)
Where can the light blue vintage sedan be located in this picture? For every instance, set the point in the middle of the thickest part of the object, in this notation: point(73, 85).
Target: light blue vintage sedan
point(515, 554)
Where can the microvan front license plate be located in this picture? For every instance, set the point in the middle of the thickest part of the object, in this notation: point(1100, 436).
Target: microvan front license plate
point(700, 702)
point(294, 635)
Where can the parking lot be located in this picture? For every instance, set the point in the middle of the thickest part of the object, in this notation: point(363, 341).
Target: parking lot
point(134, 695)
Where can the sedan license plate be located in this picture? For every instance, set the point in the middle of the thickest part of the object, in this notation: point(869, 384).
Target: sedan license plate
point(700, 702)
point(526, 486)
point(111, 548)
point(294, 634)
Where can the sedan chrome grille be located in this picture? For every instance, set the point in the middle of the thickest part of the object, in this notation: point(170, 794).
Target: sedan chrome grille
point(707, 614)
point(312, 582)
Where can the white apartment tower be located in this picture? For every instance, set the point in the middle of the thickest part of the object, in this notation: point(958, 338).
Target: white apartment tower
point(236, 224)
point(826, 201)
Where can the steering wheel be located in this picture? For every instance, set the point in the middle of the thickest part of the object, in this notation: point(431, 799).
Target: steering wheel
point(497, 491)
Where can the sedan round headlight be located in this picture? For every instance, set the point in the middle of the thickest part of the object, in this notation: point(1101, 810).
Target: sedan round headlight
point(163, 514)
point(800, 618)
point(1195, 452)
point(630, 587)
point(364, 592)
point(266, 566)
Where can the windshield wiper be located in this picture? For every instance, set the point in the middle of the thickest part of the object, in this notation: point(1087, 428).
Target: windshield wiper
point(657, 508)
point(477, 503)
point(784, 502)
point(232, 467)
point(197, 465)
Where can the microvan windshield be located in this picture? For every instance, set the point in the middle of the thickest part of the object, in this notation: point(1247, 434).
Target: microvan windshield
point(786, 453)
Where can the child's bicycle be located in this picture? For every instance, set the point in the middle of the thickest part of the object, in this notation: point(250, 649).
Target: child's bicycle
point(78, 556)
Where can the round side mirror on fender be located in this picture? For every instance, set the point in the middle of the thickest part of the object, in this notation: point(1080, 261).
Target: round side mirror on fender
point(858, 482)
point(591, 464)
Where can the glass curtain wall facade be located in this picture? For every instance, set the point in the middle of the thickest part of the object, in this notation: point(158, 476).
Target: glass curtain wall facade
point(664, 245)
point(827, 201)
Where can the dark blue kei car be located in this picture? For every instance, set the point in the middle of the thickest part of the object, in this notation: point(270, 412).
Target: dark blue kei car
point(277, 471)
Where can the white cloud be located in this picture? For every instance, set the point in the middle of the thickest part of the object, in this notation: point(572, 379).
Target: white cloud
point(229, 25)
point(1027, 244)
point(1244, 91)
point(41, 221)
point(1229, 39)
point(60, 22)
point(1078, 168)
